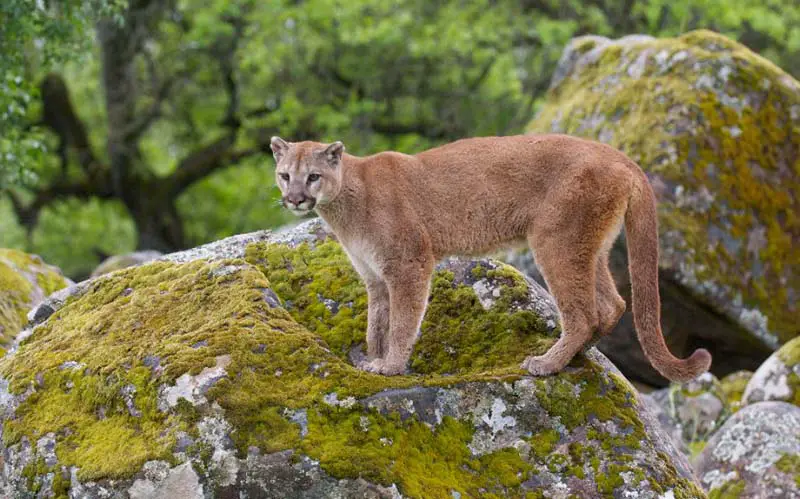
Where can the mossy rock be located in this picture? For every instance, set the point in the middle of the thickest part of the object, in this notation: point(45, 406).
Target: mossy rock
point(699, 407)
point(24, 281)
point(755, 455)
point(117, 262)
point(733, 386)
point(717, 129)
point(225, 371)
point(778, 378)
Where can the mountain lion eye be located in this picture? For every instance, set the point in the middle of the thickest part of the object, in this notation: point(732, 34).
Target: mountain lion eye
point(313, 177)
point(285, 177)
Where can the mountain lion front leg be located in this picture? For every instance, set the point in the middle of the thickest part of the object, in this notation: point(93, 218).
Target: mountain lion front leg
point(409, 287)
point(377, 307)
point(377, 317)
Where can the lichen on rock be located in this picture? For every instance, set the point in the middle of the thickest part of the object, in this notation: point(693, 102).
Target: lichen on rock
point(754, 454)
point(715, 127)
point(227, 373)
point(25, 280)
point(778, 378)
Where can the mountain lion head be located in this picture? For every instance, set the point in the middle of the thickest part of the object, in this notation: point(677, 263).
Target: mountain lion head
point(309, 174)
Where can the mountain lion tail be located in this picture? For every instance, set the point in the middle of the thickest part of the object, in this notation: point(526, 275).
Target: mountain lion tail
point(641, 234)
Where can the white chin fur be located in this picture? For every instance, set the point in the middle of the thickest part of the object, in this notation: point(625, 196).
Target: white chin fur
point(300, 213)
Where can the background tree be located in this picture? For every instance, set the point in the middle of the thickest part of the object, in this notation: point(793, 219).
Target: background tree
point(144, 131)
point(35, 35)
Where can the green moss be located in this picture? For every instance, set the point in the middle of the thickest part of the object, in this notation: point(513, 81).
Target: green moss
point(789, 354)
point(543, 443)
point(730, 490)
point(790, 464)
point(150, 312)
point(695, 448)
point(458, 335)
point(114, 330)
point(424, 462)
point(600, 396)
point(680, 122)
point(304, 279)
point(14, 299)
point(733, 387)
point(61, 483)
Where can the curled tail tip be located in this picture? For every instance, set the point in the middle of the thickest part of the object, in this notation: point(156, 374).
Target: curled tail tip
point(697, 363)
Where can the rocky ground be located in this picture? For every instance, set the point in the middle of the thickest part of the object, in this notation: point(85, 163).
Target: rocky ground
point(225, 371)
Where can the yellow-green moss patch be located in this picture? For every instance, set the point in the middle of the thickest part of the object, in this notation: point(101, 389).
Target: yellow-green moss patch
point(323, 292)
point(24, 280)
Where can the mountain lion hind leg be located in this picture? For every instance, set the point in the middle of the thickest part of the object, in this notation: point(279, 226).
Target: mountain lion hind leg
point(570, 278)
point(571, 250)
point(610, 305)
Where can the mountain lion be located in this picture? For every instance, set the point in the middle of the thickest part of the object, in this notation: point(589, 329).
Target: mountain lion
point(396, 215)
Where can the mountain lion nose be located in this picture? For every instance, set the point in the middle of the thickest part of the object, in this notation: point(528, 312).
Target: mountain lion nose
point(295, 199)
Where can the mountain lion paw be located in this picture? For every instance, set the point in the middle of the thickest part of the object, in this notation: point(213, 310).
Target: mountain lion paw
point(381, 366)
point(538, 366)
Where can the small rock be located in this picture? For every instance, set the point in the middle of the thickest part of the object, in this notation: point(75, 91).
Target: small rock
point(778, 378)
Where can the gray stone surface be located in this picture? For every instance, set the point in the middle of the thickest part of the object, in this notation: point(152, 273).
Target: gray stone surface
point(752, 454)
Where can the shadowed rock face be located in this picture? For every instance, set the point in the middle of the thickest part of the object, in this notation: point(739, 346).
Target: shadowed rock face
point(710, 122)
point(224, 372)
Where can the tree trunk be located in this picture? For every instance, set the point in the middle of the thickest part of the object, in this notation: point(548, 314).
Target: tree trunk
point(158, 224)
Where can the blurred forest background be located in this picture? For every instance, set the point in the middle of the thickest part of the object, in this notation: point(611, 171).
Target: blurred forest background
point(145, 124)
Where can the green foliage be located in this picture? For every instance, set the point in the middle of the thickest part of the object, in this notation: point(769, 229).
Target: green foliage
point(377, 74)
point(71, 227)
point(34, 35)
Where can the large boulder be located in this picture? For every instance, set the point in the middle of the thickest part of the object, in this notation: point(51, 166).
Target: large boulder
point(715, 127)
point(778, 378)
point(25, 280)
point(755, 455)
point(225, 372)
point(117, 262)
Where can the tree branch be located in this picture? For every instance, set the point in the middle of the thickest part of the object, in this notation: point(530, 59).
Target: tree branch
point(225, 53)
point(207, 160)
point(136, 129)
point(28, 214)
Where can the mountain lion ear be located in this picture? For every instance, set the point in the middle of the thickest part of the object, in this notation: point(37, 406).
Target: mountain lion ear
point(279, 147)
point(333, 153)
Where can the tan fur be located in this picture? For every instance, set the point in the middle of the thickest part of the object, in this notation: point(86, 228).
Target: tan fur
point(397, 214)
